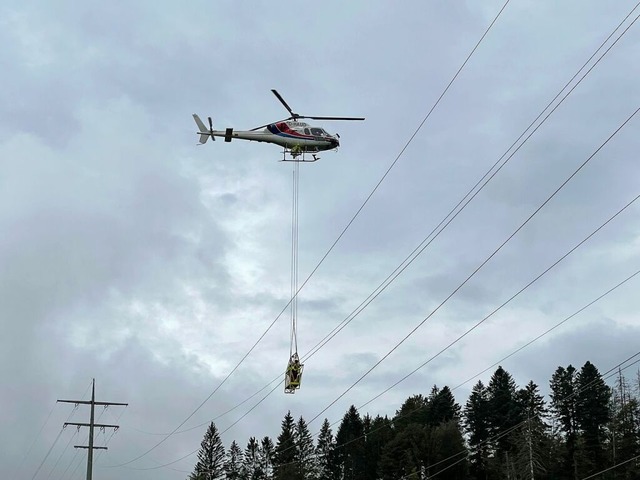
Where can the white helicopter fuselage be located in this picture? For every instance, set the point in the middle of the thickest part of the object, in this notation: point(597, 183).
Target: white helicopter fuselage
point(288, 134)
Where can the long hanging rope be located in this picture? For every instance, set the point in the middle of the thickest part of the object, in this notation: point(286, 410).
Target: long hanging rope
point(293, 346)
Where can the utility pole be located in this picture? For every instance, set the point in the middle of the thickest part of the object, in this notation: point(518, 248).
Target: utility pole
point(91, 425)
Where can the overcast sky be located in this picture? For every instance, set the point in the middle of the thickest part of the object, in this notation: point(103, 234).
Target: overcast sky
point(131, 256)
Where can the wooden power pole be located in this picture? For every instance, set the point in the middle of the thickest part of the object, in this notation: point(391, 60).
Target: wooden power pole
point(91, 425)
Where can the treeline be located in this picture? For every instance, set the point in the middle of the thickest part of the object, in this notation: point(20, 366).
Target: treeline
point(502, 432)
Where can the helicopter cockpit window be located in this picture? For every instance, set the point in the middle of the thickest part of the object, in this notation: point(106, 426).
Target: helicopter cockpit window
point(306, 131)
point(318, 132)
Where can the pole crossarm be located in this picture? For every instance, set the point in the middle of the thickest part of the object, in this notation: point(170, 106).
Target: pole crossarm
point(100, 425)
point(87, 447)
point(89, 402)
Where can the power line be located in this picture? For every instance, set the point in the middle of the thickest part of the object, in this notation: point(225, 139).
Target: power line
point(332, 246)
point(535, 212)
point(561, 186)
point(506, 302)
point(64, 473)
point(606, 375)
point(574, 314)
point(408, 260)
point(476, 192)
point(609, 373)
point(512, 298)
point(48, 453)
point(75, 407)
point(470, 195)
point(611, 468)
point(70, 440)
point(24, 457)
point(73, 473)
point(619, 284)
point(465, 452)
point(62, 454)
point(423, 245)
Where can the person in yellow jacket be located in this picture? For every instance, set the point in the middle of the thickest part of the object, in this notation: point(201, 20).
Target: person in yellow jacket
point(294, 374)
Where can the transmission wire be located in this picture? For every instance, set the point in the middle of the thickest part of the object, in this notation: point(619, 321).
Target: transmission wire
point(513, 297)
point(493, 312)
point(611, 468)
point(332, 246)
point(609, 373)
point(469, 197)
point(506, 302)
point(480, 266)
point(422, 246)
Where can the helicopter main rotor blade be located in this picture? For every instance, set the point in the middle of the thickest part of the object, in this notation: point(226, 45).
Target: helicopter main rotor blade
point(333, 118)
point(286, 105)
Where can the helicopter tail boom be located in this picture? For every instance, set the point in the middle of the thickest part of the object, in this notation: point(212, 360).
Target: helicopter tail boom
point(204, 132)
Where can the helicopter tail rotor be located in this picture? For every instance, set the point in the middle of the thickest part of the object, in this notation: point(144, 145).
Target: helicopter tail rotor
point(204, 132)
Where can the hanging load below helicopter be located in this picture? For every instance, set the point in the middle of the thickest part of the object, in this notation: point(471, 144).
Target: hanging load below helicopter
point(293, 375)
point(296, 137)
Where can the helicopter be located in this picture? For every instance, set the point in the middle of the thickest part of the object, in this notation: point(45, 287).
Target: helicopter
point(295, 137)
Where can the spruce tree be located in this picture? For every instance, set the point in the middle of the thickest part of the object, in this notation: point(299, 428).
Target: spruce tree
point(378, 432)
point(266, 455)
point(503, 412)
point(325, 453)
point(211, 457)
point(234, 462)
point(284, 466)
point(476, 423)
point(350, 446)
point(592, 415)
point(413, 410)
point(532, 443)
point(563, 406)
point(305, 452)
point(442, 407)
point(251, 467)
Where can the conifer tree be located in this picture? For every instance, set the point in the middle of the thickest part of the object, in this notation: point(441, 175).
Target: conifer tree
point(442, 407)
point(592, 415)
point(234, 462)
point(305, 451)
point(563, 406)
point(532, 444)
point(350, 446)
point(413, 410)
point(378, 432)
point(284, 464)
point(266, 456)
point(325, 453)
point(251, 467)
point(476, 422)
point(211, 457)
point(504, 413)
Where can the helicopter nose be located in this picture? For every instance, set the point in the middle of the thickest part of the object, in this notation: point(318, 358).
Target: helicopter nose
point(335, 141)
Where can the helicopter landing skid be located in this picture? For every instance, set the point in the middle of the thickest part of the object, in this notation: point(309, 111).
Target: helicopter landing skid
point(297, 156)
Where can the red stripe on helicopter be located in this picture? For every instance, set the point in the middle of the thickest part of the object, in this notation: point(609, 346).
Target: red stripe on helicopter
point(284, 130)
